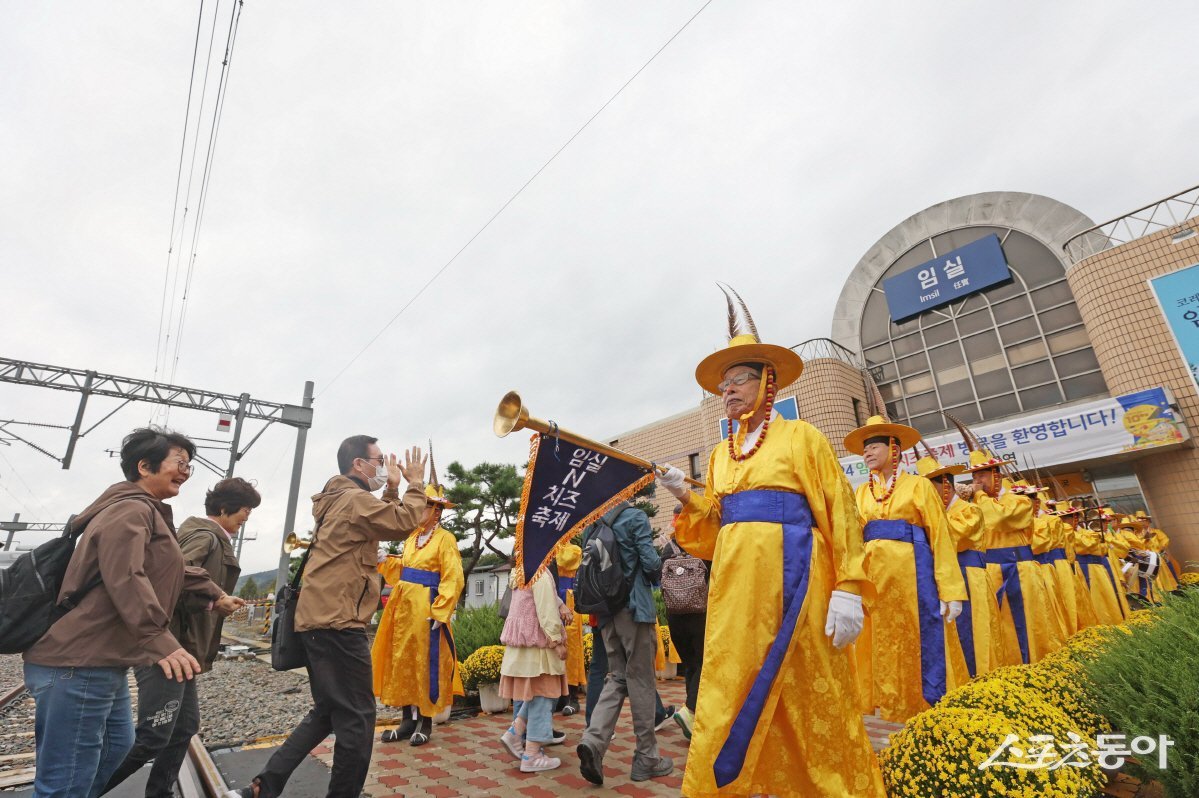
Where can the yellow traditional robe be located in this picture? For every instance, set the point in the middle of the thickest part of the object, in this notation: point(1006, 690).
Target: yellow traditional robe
point(1047, 536)
point(569, 558)
point(1165, 577)
point(810, 740)
point(1134, 540)
point(1082, 595)
point(1008, 520)
point(1117, 550)
point(888, 651)
point(1104, 597)
point(400, 654)
point(994, 642)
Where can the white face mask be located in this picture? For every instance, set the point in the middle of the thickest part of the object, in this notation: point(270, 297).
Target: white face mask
point(379, 479)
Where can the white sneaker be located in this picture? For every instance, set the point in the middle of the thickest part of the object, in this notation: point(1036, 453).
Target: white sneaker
point(538, 763)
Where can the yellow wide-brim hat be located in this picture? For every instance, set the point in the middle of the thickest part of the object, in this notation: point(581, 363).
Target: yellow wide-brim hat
point(1022, 487)
point(748, 349)
point(1130, 523)
point(929, 468)
point(981, 460)
point(435, 494)
point(879, 427)
point(1141, 515)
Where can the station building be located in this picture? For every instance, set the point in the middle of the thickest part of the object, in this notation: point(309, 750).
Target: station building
point(1070, 348)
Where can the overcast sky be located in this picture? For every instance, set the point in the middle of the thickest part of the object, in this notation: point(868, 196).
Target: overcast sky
point(363, 144)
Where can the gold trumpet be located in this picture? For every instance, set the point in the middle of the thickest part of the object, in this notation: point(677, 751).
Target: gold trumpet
point(294, 541)
point(512, 415)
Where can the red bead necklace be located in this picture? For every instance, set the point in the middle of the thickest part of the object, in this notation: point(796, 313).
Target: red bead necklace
point(738, 456)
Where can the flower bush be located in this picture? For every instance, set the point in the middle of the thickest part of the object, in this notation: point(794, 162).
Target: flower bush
point(1189, 579)
point(482, 667)
point(664, 633)
point(939, 752)
point(1060, 683)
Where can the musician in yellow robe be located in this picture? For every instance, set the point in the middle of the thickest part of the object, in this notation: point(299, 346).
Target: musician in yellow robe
point(1015, 575)
point(1158, 541)
point(1049, 550)
point(987, 642)
point(777, 709)
point(1068, 514)
point(568, 559)
point(413, 657)
point(1104, 585)
point(1131, 533)
point(909, 655)
point(1117, 550)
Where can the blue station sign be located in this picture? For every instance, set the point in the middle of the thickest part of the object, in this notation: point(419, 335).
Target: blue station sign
point(978, 265)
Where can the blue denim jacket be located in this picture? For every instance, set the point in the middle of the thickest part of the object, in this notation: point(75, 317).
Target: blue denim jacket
point(639, 559)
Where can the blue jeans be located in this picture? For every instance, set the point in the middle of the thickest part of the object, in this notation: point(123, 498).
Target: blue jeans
point(538, 713)
point(83, 726)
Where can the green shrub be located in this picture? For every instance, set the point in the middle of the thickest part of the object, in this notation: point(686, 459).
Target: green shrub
point(476, 627)
point(1147, 684)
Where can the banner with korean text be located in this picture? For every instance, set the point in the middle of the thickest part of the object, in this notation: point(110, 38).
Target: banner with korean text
point(1055, 436)
point(567, 487)
point(1178, 295)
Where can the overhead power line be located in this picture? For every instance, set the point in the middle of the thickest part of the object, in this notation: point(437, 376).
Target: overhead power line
point(510, 200)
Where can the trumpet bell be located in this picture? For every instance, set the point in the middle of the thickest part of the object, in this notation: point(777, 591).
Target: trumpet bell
point(510, 415)
point(294, 541)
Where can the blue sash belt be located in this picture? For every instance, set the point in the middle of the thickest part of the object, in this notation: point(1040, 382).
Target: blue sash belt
point(928, 605)
point(1051, 556)
point(565, 583)
point(432, 580)
point(791, 511)
point(1169, 564)
point(969, 558)
point(1098, 559)
point(1008, 559)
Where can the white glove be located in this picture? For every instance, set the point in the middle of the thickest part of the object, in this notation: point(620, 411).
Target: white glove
point(950, 610)
point(845, 618)
point(674, 481)
point(434, 625)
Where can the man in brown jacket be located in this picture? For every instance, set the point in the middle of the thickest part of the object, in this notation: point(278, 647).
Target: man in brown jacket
point(76, 672)
point(168, 712)
point(340, 594)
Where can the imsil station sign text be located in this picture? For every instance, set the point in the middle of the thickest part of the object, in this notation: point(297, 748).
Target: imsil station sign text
point(978, 265)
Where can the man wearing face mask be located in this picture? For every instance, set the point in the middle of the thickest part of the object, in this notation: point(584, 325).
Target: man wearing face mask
point(341, 592)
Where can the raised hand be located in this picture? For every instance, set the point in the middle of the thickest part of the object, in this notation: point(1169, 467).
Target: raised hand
point(414, 465)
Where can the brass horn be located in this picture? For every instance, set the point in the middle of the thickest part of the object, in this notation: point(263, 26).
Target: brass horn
point(294, 541)
point(512, 415)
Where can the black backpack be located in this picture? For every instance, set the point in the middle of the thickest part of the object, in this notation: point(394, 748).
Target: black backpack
point(29, 591)
point(600, 584)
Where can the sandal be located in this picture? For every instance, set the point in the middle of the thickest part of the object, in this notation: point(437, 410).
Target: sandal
point(389, 736)
point(423, 732)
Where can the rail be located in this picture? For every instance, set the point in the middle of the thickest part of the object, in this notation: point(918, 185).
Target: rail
point(1164, 213)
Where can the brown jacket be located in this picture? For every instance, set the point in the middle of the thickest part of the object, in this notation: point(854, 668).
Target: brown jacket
point(129, 540)
point(195, 626)
point(341, 580)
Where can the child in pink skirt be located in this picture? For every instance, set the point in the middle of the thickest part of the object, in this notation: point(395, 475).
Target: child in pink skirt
point(533, 672)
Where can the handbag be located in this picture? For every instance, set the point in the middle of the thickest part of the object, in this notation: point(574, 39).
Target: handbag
point(684, 584)
point(287, 650)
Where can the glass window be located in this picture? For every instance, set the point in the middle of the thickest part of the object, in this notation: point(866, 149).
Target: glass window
point(1000, 406)
point(955, 392)
point(1019, 330)
point(1033, 374)
point(1035, 262)
point(953, 239)
point(913, 365)
point(887, 371)
point(975, 322)
point(895, 409)
point(876, 319)
point(478, 587)
point(1012, 309)
point(924, 403)
point(1074, 338)
point(979, 347)
point(940, 334)
point(918, 384)
point(921, 253)
point(967, 414)
point(1044, 396)
point(1084, 386)
point(944, 357)
point(1051, 295)
point(878, 354)
point(908, 345)
point(993, 382)
point(1076, 362)
point(1026, 352)
point(1056, 319)
point(928, 424)
point(890, 391)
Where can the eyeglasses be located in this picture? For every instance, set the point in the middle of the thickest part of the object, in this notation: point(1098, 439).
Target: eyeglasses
point(181, 465)
point(740, 379)
point(381, 460)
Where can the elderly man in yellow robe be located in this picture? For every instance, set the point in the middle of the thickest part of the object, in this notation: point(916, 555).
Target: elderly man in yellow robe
point(1020, 589)
point(1068, 514)
point(413, 657)
point(777, 708)
point(1107, 594)
point(907, 656)
point(987, 642)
